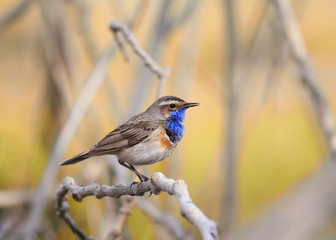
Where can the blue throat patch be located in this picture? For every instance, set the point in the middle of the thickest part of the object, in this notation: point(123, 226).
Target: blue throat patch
point(176, 129)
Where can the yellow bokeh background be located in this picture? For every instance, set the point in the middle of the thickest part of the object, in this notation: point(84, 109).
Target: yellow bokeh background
point(280, 143)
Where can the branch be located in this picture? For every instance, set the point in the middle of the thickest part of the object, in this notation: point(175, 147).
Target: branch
point(56, 46)
point(186, 13)
point(119, 29)
point(63, 140)
point(14, 198)
point(293, 36)
point(158, 183)
point(84, 25)
point(157, 39)
point(228, 215)
point(165, 219)
point(14, 13)
point(312, 204)
point(124, 212)
point(303, 214)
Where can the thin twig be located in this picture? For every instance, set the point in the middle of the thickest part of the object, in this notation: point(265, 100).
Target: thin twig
point(157, 184)
point(250, 58)
point(139, 14)
point(276, 64)
point(303, 214)
point(63, 140)
point(124, 212)
point(229, 199)
point(309, 79)
point(186, 13)
point(8, 224)
point(62, 211)
point(119, 29)
point(55, 42)
point(167, 220)
point(14, 13)
point(155, 46)
point(88, 37)
point(313, 203)
point(13, 198)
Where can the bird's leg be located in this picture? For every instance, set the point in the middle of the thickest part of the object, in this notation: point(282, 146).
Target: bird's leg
point(142, 178)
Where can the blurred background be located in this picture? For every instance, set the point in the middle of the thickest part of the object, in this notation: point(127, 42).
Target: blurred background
point(253, 139)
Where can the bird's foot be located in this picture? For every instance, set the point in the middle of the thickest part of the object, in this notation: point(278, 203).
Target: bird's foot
point(141, 181)
point(134, 183)
point(144, 178)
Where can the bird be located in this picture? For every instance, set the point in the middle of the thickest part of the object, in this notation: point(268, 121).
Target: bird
point(144, 139)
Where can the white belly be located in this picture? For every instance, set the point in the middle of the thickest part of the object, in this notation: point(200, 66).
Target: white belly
point(147, 152)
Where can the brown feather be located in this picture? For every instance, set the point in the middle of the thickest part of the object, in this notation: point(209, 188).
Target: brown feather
point(134, 131)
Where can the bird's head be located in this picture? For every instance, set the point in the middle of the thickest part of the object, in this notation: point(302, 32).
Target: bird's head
point(170, 107)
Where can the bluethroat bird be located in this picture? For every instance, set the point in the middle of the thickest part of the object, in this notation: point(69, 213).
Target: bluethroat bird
point(146, 138)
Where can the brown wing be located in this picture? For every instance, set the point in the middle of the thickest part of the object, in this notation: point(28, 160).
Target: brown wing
point(134, 131)
point(127, 135)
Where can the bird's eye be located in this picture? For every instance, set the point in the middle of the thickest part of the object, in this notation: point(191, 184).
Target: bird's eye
point(172, 105)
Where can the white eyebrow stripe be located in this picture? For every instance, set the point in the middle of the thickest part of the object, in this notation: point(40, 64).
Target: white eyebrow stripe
point(166, 102)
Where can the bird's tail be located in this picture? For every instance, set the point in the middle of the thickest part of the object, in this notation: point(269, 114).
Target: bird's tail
point(78, 158)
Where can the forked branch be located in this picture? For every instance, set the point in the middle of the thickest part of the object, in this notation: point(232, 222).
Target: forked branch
point(121, 30)
point(157, 184)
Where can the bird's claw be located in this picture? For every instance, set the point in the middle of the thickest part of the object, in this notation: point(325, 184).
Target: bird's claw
point(133, 183)
point(142, 178)
point(145, 178)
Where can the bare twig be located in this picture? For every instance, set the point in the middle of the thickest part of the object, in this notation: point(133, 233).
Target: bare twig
point(13, 198)
point(63, 140)
point(119, 29)
point(186, 13)
point(158, 183)
point(15, 11)
point(124, 212)
point(120, 42)
point(159, 33)
point(138, 14)
point(167, 220)
point(88, 37)
point(313, 203)
point(8, 224)
point(309, 79)
point(120, 220)
point(301, 215)
point(229, 198)
point(56, 41)
point(84, 24)
point(294, 39)
point(276, 63)
point(250, 58)
point(62, 211)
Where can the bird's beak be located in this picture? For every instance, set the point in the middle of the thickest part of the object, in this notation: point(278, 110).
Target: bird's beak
point(188, 105)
